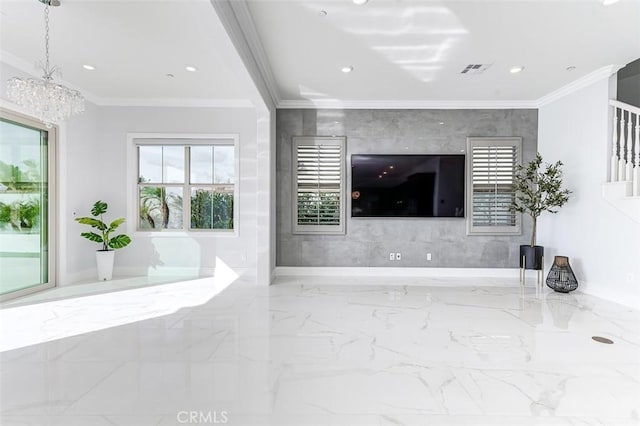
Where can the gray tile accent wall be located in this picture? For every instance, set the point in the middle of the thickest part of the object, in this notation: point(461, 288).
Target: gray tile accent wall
point(369, 241)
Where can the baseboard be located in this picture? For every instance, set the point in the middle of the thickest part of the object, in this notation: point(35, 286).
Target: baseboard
point(78, 277)
point(605, 292)
point(282, 271)
point(169, 271)
point(89, 275)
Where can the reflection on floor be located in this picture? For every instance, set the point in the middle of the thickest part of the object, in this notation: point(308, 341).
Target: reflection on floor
point(309, 353)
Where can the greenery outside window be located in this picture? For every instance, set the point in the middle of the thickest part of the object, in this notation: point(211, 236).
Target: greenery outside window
point(186, 184)
point(318, 189)
point(491, 168)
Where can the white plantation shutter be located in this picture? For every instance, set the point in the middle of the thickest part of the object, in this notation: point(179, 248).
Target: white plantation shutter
point(318, 198)
point(493, 171)
point(492, 166)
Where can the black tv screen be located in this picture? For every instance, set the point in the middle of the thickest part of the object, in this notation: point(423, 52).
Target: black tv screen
point(407, 185)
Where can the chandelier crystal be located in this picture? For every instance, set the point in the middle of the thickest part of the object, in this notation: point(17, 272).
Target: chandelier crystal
point(50, 102)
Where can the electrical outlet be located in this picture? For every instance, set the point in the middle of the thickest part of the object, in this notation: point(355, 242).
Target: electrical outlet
point(429, 257)
point(392, 256)
point(398, 256)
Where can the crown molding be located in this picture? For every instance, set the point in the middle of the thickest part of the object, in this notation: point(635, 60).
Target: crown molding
point(18, 63)
point(240, 28)
point(582, 82)
point(398, 104)
point(176, 102)
point(587, 80)
point(248, 27)
point(256, 50)
point(32, 70)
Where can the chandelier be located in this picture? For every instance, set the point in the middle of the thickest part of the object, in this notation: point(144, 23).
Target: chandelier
point(50, 102)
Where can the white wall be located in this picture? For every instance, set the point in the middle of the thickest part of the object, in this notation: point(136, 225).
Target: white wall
point(165, 254)
point(266, 190)
point(78, 181)
point(603, 244)
point(92, 158)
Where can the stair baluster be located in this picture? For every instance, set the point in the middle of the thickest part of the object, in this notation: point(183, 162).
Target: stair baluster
point(623, 189)
point(614, 147)
point(636, 165)
point(622, 164)
point(629, 140)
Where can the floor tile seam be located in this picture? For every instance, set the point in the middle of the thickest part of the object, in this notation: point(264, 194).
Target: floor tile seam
point(363, 368)
point(118, 367)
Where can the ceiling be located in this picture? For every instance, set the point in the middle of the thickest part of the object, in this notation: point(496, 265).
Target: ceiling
point(404, 50)
point(401, 50)
point(133, 44)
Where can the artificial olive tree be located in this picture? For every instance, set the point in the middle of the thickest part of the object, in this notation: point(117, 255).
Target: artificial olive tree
point(539, 189)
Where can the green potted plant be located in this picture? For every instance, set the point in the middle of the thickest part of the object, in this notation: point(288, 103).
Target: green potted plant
point(538, 190)
point(105, 255)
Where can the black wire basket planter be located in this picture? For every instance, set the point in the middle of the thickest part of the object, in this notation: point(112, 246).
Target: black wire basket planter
point(561, 277)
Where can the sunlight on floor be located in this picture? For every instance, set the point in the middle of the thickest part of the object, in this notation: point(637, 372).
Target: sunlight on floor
point(43, 322)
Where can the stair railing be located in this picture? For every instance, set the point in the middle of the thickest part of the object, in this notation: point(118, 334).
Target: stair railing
point(625, 145)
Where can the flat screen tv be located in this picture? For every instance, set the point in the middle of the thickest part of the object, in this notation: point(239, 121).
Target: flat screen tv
point(407, 185)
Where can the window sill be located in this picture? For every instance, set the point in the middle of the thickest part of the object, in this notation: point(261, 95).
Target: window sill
point(184, 234)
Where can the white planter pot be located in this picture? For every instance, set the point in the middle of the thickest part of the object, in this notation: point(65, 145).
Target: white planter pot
point(105, 264)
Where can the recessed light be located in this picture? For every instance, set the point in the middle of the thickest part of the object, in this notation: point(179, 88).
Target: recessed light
point(516, 70)
point(571, 68)
point(347, 69)
point(190, 68)
point(609, 2)
point(89, 67)
point(441, 123)
point(169, 75)
point(384, 173)
point(323, 13)
point(391, 167)
point(379, 176)
point(360, 2)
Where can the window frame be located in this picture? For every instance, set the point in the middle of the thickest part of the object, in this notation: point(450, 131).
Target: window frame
point(489, 142)
point(297, 229)
point(135, 140)
point(55, 256)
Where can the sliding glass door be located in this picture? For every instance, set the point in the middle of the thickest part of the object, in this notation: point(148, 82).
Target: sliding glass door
point(26, 181)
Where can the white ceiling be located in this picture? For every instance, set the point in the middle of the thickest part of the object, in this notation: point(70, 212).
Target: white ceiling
point(133, 45)
point(402, 50)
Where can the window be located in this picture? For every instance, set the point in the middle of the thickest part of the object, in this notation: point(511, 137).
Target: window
point(28, 197)
point(186, 184)
point(492, 165)
point(318, 190)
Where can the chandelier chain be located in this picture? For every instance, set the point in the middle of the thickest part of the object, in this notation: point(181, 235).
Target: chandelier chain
point(47, 72)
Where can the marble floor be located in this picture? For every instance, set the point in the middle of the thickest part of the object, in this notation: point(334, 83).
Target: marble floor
point(307, 352)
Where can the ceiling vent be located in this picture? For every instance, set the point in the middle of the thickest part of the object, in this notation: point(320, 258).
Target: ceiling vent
point(475, 68)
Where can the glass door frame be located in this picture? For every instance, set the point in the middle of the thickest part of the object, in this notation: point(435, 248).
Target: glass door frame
point(52, 199)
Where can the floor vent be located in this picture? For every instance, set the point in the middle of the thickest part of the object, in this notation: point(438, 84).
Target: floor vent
point(603, 340)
